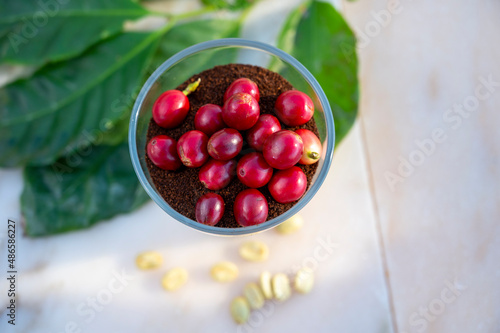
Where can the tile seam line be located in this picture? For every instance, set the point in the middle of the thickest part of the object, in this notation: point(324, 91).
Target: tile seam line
point(380, 237)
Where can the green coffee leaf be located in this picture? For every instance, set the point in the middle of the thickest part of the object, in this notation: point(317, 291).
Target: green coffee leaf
point(75, 192)
point(34, 32)
point(66, 105)
point(317, 36)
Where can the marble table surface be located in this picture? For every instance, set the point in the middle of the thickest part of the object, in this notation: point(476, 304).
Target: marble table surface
point(404, 235)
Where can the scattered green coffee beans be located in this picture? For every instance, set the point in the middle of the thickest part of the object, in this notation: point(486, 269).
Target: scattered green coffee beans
point(174, 279)
point(254, 251)
point(254, 296)
point(303, 281)
point(281, 287)
point(224, 271)
point(265, 285)
point(240, 310)
point(148, 260)
point(291, 225)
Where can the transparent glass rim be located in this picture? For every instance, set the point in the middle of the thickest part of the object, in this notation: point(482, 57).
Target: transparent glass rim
point(232, 42)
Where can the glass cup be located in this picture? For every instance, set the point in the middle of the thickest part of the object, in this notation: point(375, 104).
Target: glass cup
point(199, 57)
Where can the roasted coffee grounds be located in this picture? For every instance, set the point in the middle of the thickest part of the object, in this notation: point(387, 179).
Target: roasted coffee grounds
point(181, 189)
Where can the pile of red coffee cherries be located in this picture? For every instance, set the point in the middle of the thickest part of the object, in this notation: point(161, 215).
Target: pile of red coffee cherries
point(218, 140)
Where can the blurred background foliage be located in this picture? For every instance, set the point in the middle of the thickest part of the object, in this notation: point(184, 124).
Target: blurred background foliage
point(66, 123)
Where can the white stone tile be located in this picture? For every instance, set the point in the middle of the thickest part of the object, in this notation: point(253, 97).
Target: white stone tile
point(440, 222)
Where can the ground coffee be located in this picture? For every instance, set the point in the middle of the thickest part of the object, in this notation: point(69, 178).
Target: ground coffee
point(181, 189)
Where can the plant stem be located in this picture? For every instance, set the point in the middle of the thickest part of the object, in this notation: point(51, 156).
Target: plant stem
point(173, 18)
point(198, 12)
point(182, 16)
point(191, 87)
point(313, 155)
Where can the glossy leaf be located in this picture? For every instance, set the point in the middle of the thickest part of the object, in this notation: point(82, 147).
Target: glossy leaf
point(77, 191)
point(72, 104)
point(38, 31)
point(317, 36)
